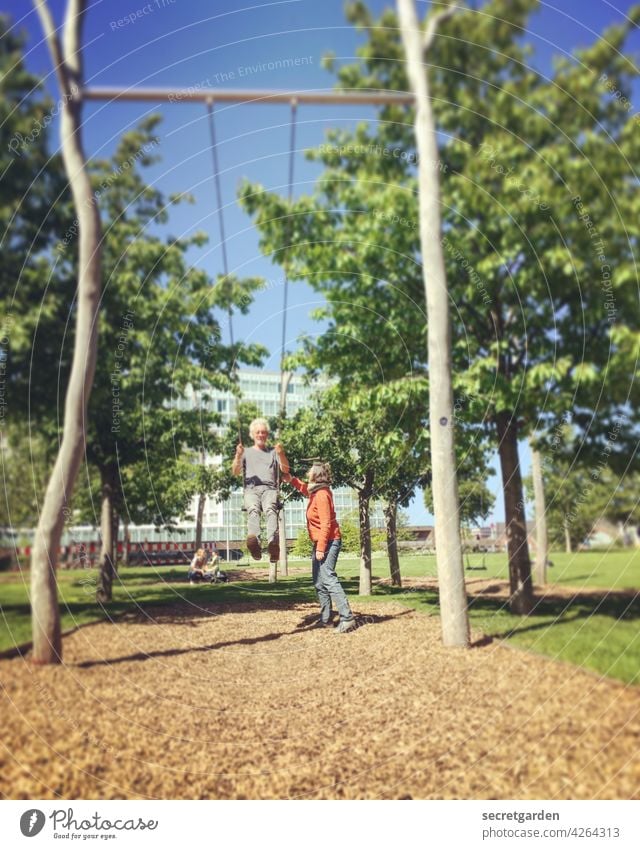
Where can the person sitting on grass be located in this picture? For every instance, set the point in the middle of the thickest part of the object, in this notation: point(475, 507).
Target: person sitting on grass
point(324, 531)
point(214, 560)
point(212, 566)
point(197, 567)
point(259, 467)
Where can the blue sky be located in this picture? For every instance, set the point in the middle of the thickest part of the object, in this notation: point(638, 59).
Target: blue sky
point(183, 43)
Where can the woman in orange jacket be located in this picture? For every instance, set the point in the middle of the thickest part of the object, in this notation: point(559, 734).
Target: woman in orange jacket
point(324, 531)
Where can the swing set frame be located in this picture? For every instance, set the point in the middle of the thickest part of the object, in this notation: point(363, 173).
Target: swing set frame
point(210, 97)
point(231, 95)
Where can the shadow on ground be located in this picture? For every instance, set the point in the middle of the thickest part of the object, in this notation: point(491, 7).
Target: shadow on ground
point(556, 605)
point(168, 598)
point(307, 623)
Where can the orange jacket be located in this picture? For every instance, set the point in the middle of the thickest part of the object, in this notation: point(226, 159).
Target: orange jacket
point(321, 515)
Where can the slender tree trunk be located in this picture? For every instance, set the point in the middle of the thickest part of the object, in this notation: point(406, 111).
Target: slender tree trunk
point(391, 526)
point(116, 529)
point(126, 544)
point(106, 568)
point(567, 539)
point(199, 516)
point(364, 497)
point(542, 539)
point(453, 599)
point(273, 571)
point(285, 380)
point(282, 536)
point(521, 601)
point(47, 642)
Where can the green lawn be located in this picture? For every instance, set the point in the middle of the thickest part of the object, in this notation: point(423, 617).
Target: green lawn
point(615, 570)
point(599, 633)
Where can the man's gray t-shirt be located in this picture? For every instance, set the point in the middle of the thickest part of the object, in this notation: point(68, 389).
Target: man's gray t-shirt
point(260, 467)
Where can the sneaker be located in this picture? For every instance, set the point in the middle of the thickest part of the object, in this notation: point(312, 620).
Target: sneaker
point(346, 625)
point(320, 623)
point(192, 582)
point(253, 544)
point(274, 550)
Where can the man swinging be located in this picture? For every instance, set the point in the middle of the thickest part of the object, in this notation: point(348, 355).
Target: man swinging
point(259, 467)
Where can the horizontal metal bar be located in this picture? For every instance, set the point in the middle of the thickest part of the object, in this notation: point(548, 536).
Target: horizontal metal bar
point(228, 95)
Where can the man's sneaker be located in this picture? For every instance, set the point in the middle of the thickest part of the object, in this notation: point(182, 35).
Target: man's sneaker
point(346, 625)
point(320, 623)
point(274, 551)
point(253, 544)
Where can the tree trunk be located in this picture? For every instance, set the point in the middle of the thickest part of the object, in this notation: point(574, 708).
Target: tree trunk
point(126, 545)
point(364, 497)
point(622, 534)
point(106, 568)
point(116, 529)
point(567, 539)
point(542, 539)
point(273, 571)
point(390, 521)
point(521, 601)
point(453, 599)
point(282, 536)
point(47, 642)
point(285, 380)
point(199, 516)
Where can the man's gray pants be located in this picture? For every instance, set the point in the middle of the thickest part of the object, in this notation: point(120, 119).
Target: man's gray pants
point(257, 500)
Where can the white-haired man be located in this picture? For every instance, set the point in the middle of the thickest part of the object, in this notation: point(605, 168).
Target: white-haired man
point(258, 466)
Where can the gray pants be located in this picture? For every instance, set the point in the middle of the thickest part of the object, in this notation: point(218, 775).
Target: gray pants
point(327, 585)
point(257, 500)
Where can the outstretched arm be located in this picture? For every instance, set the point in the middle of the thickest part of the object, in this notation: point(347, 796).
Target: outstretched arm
point(282, 459)
point(236, 466)
point(296, 483)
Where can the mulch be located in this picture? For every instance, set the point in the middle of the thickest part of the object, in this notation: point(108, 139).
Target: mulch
point(250, 701)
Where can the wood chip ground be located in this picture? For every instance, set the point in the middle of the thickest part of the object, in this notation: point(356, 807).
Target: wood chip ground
point(252, 702)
